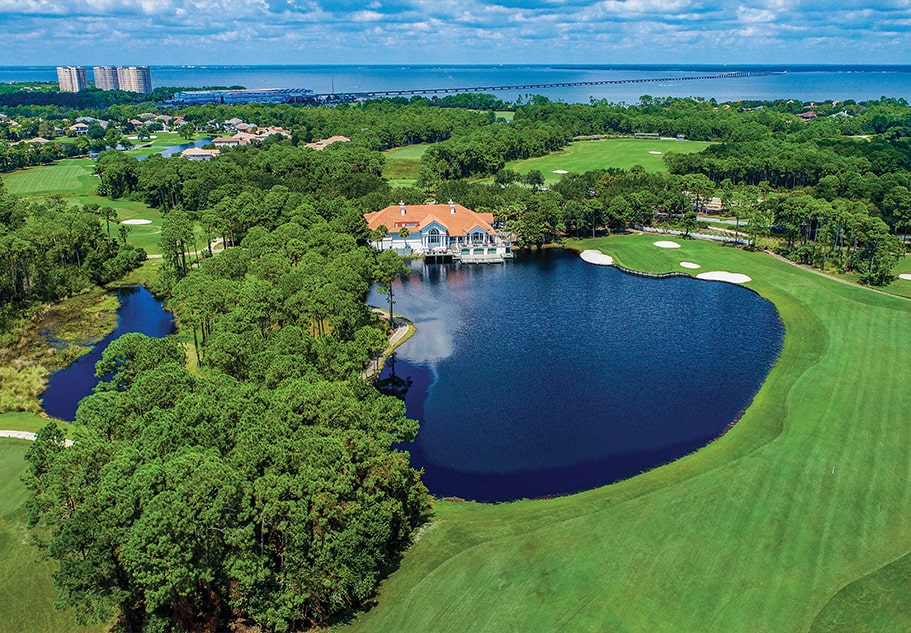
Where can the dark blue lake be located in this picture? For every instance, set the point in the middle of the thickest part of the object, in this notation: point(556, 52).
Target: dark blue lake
point(139, 311)
point(548, 376)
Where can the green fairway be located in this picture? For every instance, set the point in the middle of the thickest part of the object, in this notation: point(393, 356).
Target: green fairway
point(755, 532)
point(22, 421)
point(26, 594)
point(901, 286)
point(66, 177)
point(402, 163)
point(622, 153)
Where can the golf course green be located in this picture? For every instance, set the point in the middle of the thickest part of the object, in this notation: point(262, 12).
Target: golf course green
point(758, 531)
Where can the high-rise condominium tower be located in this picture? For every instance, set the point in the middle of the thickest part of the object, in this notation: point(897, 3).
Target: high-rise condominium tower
point(72, 78)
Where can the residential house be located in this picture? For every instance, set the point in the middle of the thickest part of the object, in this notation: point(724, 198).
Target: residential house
point(196, 153)
point(323, 144)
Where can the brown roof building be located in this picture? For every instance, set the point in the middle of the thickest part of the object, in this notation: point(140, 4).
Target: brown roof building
point(431, 226)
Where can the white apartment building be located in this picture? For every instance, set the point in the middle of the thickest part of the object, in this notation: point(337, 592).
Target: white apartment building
point(72, 78)
point(106, 78)
point(134, 79)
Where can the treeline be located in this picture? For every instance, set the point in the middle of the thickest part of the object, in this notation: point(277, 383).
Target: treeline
point(787, 164)
point(241, 176)
point(267, 493)
point(377, 124)
point(22, 155)
point(50, 249)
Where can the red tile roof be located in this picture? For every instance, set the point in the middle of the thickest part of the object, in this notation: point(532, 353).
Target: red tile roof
point(457, 220)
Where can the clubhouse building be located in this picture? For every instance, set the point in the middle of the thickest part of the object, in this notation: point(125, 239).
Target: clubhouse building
point(438, 229)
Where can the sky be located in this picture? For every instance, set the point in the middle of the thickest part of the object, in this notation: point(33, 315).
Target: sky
point(164, 32)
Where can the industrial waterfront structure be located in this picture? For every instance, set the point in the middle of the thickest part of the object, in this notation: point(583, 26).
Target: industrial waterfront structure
point(265, 95)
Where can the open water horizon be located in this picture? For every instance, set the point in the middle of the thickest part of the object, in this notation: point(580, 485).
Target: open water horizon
point(802, 82)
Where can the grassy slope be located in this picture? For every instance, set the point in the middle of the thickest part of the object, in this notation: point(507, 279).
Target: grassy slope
point(26, 594)
point(754, 532)
point(583, 156)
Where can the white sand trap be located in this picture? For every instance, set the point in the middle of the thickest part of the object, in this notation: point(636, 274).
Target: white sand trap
point(137, 221)
point(905, 276)
point(655, 153)
point(560, 171)
point(722, 275)
point(666, 244)
point(596, 257)
point(690, 265)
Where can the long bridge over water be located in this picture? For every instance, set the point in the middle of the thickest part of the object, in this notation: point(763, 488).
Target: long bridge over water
point(529, 86)
point(301, 95)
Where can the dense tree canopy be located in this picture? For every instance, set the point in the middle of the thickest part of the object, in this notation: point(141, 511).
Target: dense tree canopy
point(267, 491)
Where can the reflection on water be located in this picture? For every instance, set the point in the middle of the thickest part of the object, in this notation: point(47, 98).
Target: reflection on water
point(547, 375)
point(140, 311)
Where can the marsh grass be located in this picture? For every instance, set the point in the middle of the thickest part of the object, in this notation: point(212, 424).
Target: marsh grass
point(51, 338)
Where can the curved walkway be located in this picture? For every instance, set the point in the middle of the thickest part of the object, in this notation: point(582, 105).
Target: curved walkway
point(26, 435)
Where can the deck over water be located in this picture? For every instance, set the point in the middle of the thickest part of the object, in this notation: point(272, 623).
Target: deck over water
point(480, 254)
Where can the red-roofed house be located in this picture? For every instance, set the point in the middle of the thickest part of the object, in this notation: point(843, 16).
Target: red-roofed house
point(432, 227)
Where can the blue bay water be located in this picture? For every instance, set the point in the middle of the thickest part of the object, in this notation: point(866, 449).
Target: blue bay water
point(804, 83)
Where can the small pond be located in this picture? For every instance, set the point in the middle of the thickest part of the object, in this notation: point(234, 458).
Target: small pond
point(139, 311)
point(547, 375)
point(170, 150)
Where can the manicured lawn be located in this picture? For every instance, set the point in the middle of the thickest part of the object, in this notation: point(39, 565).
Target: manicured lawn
point(402, 164)
point(26, 594)
point(21, 421)
point(878, 603)
point(755, 532)
point(66, 177)
point(623, 153)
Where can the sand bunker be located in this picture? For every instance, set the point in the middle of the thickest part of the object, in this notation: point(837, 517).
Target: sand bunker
point(905, 276)
point(655, 153)
point(596, 257)
point(137, 221)
point(690, 265)
point(560, 171)
point(722, 275)
point(666, 244)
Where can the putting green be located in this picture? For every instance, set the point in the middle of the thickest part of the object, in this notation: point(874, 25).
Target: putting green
point(757, 531)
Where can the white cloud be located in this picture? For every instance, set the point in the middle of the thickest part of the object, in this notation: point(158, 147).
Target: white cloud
point(563, 31)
